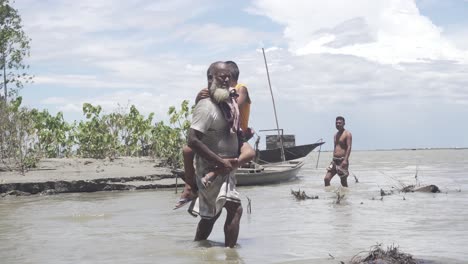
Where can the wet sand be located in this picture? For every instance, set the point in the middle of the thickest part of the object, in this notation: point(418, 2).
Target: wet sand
point(88, 175)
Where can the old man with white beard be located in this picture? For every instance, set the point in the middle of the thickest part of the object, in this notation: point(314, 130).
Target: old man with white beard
point(213, 137)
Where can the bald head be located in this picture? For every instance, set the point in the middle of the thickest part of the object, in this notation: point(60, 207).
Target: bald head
point(221, 72)
point(211, 69)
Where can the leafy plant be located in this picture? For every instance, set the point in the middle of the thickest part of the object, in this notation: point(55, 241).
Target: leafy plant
point(169, 140)
point(17, 137)
point(14, 48)
point(55, 135)
point(115, 134)
point(27, 135)
point(138, 136)
point(93, 137)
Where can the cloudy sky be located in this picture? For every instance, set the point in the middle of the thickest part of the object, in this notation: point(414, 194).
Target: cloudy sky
point(397, 70)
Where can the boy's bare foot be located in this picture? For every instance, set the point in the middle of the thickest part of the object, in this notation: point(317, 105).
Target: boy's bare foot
point(186, 197)
point(209, 178)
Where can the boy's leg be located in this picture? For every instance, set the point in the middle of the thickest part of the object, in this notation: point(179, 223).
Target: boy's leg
point(247, 153)
point(189, 168)
point(190, 187)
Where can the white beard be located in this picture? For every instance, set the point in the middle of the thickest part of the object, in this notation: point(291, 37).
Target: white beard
point(218, 94)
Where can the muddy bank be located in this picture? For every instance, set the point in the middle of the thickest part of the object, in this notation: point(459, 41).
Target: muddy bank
point(88, 175)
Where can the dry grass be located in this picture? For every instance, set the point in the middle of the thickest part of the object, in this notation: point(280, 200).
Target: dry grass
point(392, 255)
point(405, 188)
point(339, 197)
point(302, 195)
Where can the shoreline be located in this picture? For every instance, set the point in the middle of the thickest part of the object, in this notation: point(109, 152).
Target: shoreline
point(402, 149)
point(71, 175)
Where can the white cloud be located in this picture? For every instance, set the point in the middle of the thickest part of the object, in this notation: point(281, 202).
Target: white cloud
point(85, 81)
point(98, 16)
point(363, 59)
point(145, 102)
point(54, 100)
point(386, 31)
point(70, 108)
point(223, 37)
point(327, 82)
point(82, 34)
point(101, 44)
point(92, 30)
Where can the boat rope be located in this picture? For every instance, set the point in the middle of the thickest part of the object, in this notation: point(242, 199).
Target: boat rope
point(320, 149)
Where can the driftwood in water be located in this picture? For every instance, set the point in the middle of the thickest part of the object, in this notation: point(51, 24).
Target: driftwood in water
point(339, 197)
point(410, 188)
point(355, 178)
point(378, 255)
point(302, 195)
point(429, 189)
point(384, 193)
point(249, 205)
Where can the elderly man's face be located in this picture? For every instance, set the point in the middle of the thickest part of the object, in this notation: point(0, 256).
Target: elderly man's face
point(223, 78)
point(219, 80)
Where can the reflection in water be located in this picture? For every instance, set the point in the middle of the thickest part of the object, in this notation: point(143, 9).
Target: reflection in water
point(214, 252)
point(141, 227)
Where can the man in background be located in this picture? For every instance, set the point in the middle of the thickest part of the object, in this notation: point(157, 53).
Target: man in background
point(343, 141)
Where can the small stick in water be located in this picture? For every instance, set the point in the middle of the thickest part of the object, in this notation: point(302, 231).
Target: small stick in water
point(355, 178)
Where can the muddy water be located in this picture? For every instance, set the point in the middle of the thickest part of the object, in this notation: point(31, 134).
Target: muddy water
point(140, 226)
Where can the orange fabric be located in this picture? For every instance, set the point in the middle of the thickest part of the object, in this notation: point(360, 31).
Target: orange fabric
point(244, 110)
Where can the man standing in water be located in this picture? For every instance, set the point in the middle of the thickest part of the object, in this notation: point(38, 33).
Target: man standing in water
point(246, 151)
point(340, 163)
point(213, 137)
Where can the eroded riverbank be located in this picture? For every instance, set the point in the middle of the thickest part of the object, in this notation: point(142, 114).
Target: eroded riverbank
point(88, 175)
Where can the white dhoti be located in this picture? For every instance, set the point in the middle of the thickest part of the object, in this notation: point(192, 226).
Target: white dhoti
point(208, 118)
point(211, 199)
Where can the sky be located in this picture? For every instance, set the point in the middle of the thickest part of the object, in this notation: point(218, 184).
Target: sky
point(397, 70)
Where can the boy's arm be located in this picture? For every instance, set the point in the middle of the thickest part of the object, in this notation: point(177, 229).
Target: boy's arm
point(204, 93)
point(243, 96)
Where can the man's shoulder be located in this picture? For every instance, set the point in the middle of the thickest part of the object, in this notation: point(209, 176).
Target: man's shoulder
point(347, 134)
point(205, 105)
point(205, 102)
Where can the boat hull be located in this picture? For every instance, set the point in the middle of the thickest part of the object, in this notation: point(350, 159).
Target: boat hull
point(269, 173)
point(290, 153)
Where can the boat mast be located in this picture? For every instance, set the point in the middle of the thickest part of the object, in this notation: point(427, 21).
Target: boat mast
point(283, 158)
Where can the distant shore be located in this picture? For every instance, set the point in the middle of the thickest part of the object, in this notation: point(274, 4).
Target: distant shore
point(403, 149)
point(66, 175)
point(88, 175)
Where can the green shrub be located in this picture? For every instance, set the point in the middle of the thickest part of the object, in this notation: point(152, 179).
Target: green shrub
point(55, 135)
point(17, 137)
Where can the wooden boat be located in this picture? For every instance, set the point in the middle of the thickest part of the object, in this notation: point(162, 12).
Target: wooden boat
point(277, 164)
point(256, 174)
point(290, 153)
point(269, 173)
